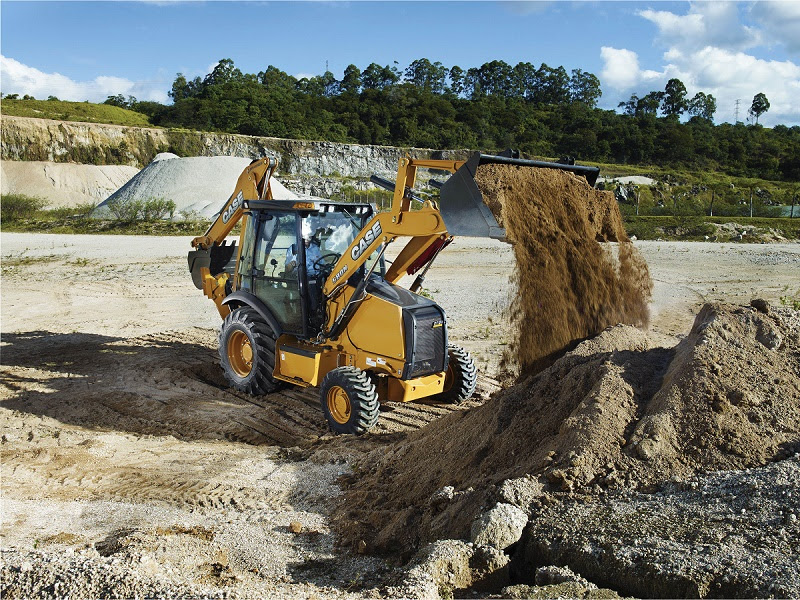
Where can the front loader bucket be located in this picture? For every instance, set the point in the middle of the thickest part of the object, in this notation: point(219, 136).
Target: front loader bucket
point(461, 202)
point(217, 259)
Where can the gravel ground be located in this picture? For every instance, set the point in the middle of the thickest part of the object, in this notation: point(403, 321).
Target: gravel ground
point(105, 459)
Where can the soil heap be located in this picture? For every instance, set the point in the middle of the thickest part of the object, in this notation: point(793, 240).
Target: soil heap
point(612, 413)
point(569, 285)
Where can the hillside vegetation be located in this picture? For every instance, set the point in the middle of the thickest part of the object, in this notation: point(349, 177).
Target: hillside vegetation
point(543, 111)
point(86, 112)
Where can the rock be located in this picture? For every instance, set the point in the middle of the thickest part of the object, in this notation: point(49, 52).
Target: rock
point(500, 527)
point(551, 575)
point(769, 335)
point(435, 571)
point(760, 305)
point(490, 568)
point(521, 491)
point(295, 527)
point(442, 496)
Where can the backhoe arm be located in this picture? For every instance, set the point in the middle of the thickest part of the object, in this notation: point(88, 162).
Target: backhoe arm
point(210, 256)
point(424, 226)
point(253, 184)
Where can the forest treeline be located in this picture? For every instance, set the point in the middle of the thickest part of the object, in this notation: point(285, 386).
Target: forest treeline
point(542, 111)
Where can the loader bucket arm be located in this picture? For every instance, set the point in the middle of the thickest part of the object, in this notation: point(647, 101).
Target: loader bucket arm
point(461, 202)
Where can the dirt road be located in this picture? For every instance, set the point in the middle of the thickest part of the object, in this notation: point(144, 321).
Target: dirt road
point(121, 442)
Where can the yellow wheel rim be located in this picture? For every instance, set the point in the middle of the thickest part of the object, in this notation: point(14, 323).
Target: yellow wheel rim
point(339, 405)
point(448, 378)
point(240, 353)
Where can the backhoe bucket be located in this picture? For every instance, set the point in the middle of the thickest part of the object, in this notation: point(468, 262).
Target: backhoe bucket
point(461, 201)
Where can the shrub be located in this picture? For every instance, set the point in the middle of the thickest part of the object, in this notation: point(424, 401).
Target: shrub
point(152, 209)
point(79, 211)
point(14, 207)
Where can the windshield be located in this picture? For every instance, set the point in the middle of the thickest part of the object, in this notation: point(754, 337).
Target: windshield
point(335, 231)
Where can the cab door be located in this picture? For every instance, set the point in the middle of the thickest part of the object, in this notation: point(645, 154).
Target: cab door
point(262, 267)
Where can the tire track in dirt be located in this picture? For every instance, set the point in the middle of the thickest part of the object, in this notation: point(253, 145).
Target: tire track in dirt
point(120, 418)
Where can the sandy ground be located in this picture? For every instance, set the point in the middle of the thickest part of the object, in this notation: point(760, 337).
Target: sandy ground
point(120, 440)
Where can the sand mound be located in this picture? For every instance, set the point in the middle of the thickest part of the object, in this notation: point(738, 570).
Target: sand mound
point(198, 186)
point(570, 285)
point(63, 184)
point(613, 412)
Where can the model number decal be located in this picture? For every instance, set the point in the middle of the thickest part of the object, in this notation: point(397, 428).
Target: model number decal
point(237, 202)
point(338, 275)
point(366, 241)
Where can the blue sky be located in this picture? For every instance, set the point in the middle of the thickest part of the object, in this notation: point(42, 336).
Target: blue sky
point(89, 50)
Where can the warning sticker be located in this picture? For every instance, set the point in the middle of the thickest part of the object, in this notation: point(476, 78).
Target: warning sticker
point(371, 362)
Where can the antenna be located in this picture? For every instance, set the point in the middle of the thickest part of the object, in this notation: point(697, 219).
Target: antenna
point(326, 69)
point(736, 111)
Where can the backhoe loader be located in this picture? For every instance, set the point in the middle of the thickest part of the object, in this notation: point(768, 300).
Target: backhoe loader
point(307, 297)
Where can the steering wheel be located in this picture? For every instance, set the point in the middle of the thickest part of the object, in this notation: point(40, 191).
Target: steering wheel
point(325, 262)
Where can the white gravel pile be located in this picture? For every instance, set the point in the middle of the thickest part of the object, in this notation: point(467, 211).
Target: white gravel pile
point(198, 186)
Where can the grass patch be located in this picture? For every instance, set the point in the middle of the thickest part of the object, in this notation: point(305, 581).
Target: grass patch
point(84, 112)
point(27, 214)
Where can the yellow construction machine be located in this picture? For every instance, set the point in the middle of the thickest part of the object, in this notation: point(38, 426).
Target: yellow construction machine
point(307, 297)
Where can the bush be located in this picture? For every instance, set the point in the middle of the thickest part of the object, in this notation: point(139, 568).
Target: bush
point(79, 211)
point(14, 207)
point(155, 209)
point(152, 209)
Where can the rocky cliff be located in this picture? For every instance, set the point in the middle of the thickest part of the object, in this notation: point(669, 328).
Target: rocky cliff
point(25, 139)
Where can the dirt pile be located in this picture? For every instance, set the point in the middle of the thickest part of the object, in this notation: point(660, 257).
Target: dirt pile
point(614, 412)
point(570, 285)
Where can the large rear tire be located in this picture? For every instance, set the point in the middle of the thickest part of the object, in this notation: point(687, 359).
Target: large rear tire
point(460, 378)
point(247, 352)
point(349, 401)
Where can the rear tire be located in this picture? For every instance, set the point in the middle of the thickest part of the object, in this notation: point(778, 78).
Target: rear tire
point(247, 352)
point(460, 378)
point(349, 401)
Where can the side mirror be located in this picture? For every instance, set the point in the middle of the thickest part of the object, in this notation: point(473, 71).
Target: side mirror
point(274, 262)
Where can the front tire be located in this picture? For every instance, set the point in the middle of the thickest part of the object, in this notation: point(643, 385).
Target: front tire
point(349, 401)
point(247, 352)
point(460, 378)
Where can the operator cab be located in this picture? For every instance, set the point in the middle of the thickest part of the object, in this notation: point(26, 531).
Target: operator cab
point(288, 251)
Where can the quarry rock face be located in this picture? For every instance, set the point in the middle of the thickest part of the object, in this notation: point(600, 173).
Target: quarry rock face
point(91, 143)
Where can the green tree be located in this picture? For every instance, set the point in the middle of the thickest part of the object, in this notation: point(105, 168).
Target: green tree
point(351, 82)
point(674, 99)
point(456, 77)
point(584, 87)
point(702, 105)
point(759, 106)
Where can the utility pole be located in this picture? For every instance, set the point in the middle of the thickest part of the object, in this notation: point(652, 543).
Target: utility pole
point(736, 112)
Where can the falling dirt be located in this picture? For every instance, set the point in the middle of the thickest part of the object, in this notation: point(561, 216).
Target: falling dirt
point(570, 286)
point(614, 412)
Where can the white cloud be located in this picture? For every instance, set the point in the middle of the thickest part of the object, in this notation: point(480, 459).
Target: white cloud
point(705, 50)
point(621, 69)
point(781, 21)
point(727, 75)
point(17, 78)
point(706, 24)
